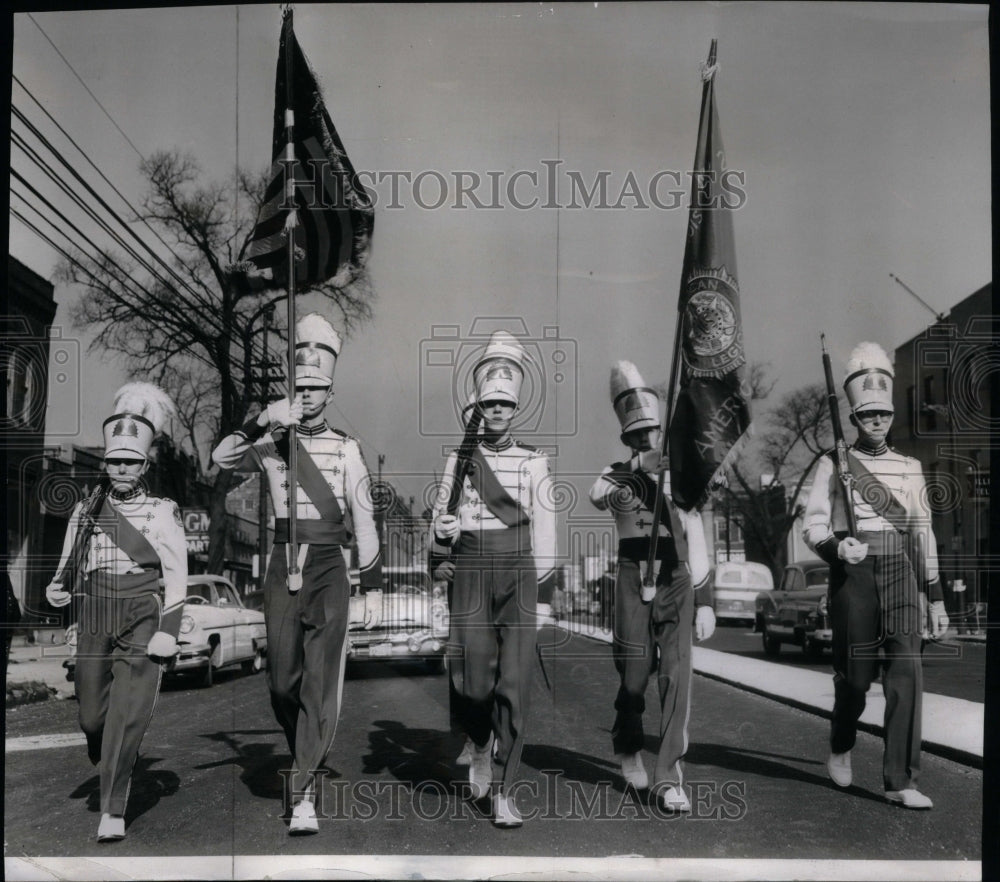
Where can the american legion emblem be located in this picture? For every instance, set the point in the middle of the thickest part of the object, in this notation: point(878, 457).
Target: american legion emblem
point(713, 342)
point(125, 427)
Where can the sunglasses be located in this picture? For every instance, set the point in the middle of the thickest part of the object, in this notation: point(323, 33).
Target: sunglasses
point(115, 461)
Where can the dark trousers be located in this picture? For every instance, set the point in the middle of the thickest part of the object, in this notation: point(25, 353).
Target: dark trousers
point(654, 637)
point(873, 606)
point(116, 686)
point(306, 655)
point(493, 636)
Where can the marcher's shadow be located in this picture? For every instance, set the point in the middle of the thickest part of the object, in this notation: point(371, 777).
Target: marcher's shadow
point(148, 787)
point(413, 755)
point(571, 765)
point(260, 764)
point(757, 762)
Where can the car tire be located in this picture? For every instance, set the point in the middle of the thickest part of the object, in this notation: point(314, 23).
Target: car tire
point(256, 664)
point(772, 645)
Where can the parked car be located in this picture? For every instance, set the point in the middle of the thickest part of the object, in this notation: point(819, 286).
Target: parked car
point(415, 620)
point(796, 611)
point(217, 631)
point(737, 584)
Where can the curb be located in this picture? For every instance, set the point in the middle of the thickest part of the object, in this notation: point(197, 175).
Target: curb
point(936, 747)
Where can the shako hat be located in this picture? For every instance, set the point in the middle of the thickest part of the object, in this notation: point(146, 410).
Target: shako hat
point(636, 405)
point(868, 379)
point(140, 412)
point(317, 346)
point(499, 372)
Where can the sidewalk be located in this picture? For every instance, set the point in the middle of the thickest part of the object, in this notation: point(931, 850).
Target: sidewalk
point(952, 727)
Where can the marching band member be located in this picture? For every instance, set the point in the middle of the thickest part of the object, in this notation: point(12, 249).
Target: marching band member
point(879, 580)
point(504, 542)
point(652, 636)
point(125, 629)
point(307, 628)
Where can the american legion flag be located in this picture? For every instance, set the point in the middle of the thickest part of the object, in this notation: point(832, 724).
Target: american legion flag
point(712, 411)
point(333, 214)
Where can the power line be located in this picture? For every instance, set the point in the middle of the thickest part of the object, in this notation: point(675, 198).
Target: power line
point(85, 86)
point(104, 177)
point(72, 170)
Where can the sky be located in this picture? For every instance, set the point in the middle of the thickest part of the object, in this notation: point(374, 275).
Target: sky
point(862, 131)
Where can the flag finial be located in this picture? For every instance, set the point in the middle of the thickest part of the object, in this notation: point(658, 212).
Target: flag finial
point(710, 67)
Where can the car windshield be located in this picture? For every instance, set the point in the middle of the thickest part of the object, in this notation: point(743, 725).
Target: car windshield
point(817, 577)
point(203, 591)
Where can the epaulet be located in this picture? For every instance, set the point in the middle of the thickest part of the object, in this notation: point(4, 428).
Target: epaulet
point(528, 447)
point(341, 433)
point(904, 456)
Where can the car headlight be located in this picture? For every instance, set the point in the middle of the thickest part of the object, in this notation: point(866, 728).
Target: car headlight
point(187, 624)
point(821, 607)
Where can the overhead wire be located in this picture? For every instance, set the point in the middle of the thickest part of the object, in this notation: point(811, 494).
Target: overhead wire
point(237, 363)
point(72, 170)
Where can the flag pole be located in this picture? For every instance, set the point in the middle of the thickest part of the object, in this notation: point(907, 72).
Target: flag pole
point(649, 579)
point(294, 575)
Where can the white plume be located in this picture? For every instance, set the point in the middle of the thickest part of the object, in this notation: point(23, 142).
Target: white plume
point(315, 328)
point(868, 355)
point(145, 400)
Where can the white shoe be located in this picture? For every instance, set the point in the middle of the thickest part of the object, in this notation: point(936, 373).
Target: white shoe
point(111, 828)
point(481, 770)
point(838, 766)
point(633, 770)
point(674, 799)
point(465, 757)
point(303, 819)
point(910, 798)
point(505, 813)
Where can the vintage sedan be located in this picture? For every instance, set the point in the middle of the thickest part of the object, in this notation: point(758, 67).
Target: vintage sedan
point(737, 584)
point(217, 631)
point(415, 620)
point(796, 611)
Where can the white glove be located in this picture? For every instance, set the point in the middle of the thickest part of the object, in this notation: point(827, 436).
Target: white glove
point(373, 608)
point(446, 527)
point(543, 615)
point(653, 461)
point(285, 412)
point(704, 622)
point(162, 645)
point(56, 596)
point(851, 551)
point(939, 619)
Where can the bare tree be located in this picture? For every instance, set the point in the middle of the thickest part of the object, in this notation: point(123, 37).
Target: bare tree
point(183, 320)
point(795, 435)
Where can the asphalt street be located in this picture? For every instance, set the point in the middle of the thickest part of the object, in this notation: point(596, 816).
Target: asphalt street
point(208, 780)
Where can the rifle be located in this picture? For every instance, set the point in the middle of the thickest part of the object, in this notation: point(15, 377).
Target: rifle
point(464, 458)
point(72, 572)
point(840, 445)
